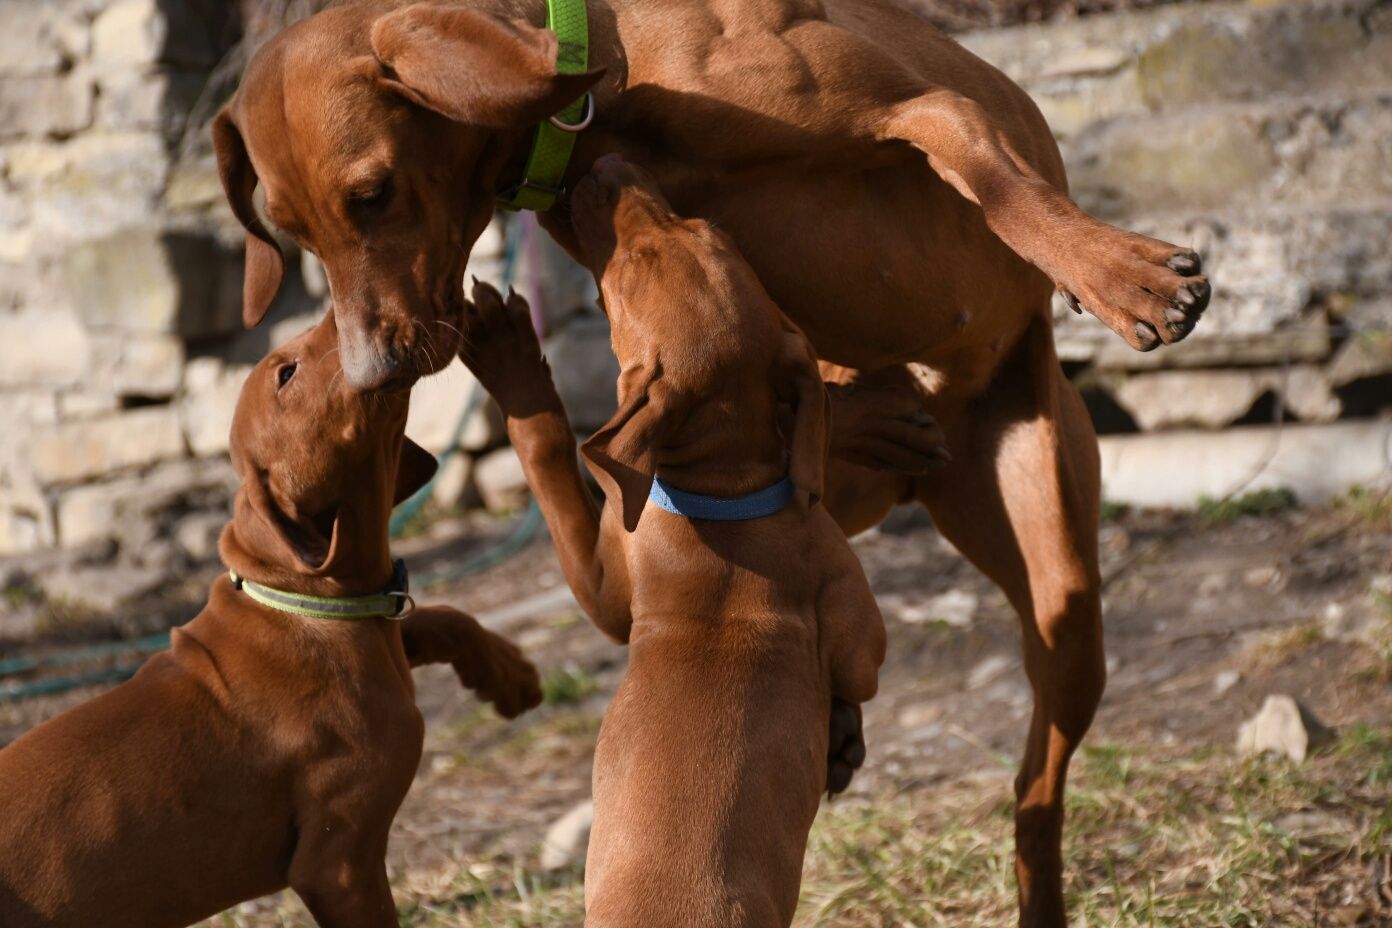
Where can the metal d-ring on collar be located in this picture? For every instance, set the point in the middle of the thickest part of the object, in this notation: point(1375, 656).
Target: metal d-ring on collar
point(586, 117)
point(393, 603)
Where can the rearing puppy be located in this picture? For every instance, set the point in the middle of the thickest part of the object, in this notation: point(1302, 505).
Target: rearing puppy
point(265, 748)
point(746, 612)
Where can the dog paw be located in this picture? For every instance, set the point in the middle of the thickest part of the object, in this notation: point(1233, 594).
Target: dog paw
point(501, 348)
point(1149, 292)
point(509, 681)
point(878, 422)
point(846, 748)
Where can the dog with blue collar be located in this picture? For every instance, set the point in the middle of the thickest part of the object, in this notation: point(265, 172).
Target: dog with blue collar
point(752, 630)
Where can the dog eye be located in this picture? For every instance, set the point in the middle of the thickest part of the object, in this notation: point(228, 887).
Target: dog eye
point(374, 197)
point(285, 374)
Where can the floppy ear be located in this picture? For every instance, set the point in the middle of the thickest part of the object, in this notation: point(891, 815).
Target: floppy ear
point(415, 468)
point(474, 67)
point(265, 264)
point(621, 455)
point(801, 383)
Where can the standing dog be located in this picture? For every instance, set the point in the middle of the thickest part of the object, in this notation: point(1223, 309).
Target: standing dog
point(900, 199)
point(711, 759)
point(264, 749)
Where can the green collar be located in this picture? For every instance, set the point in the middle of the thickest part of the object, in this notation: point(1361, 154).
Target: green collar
point(395, 602)
point(555, 138)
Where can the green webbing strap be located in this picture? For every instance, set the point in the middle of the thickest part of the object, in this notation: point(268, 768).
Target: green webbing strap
point(382, 605)
point(551, 148)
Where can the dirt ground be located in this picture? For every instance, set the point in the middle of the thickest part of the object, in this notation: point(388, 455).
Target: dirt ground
point(1205, 617)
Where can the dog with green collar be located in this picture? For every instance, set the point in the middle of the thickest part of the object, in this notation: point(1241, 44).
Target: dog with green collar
point(272, 744)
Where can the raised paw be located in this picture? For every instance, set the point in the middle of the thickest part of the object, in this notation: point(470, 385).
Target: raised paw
point(1149, 292)
point(878, 421)
point(501, 347)
point(846, 747)
point(499, 674)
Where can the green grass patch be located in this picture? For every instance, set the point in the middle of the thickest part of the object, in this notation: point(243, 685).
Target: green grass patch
point(1252, 503)
point(567, 686)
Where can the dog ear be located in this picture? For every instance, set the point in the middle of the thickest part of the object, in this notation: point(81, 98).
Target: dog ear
point(622, 454)
point(265, 263)
point(800, 382)
point(414, 469)
point(474, 67)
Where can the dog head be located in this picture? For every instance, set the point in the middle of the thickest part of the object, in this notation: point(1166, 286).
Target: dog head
point(714, 377)
point(379, 137)
point(321, 466)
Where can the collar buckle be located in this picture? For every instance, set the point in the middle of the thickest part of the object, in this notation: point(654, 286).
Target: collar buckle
point(586, 117)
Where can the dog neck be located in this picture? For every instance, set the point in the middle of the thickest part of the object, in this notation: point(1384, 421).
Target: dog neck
point(358, 562)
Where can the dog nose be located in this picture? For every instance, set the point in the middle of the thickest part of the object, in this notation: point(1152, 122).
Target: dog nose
point(371, 368)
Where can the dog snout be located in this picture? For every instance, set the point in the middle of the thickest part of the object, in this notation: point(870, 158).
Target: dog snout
point(372, 364)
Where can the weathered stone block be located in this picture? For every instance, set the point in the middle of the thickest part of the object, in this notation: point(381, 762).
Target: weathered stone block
point(42, 348)
point(151, 280)
point(211, 390)
point(145, 365)
point(500, 480)
point(29, 42)
point(437, 403)
point(44, 105)
point(1215, 398)
point(160, 101)
point(79, 450)
point(135, 510)
point(585, 370)
point(144, 32)
point(91, 186)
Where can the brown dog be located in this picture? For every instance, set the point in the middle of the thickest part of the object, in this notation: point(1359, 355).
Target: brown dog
point(900, 199)
point(709, 766)
point(263, 749)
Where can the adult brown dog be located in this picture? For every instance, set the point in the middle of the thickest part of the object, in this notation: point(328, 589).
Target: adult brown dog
point(263, 749)
point(709, 766)
point(901, 200)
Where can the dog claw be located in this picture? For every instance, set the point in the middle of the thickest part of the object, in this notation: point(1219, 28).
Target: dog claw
point(1186, 263)
point(1146, 336)
point(1173, 314)
point(1072, 302)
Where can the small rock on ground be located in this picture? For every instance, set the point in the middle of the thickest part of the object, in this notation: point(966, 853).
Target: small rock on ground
point(1282, 726)
point(568, 838)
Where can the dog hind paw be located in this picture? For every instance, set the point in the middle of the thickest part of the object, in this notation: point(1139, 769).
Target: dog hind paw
point(846, 747)
point(1148, 292)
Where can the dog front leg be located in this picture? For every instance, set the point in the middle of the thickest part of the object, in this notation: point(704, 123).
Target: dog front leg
point(341, 876)
point(1148, 291)
point(853, 633)
point(485, 662)
point(504, 353)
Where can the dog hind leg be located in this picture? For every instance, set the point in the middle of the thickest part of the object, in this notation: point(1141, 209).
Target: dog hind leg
point(1020, 500)
point(1149, 292)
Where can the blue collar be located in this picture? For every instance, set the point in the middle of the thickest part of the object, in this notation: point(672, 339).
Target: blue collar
point(754, 505)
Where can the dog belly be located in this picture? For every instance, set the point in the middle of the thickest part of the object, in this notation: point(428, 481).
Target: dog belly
point(880, 266)
point(706, 782)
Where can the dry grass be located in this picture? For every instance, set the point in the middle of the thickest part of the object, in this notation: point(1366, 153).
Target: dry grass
point(1201, 839)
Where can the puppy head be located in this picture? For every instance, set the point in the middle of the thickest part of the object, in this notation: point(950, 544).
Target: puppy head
point(711, 368)
point(380, 135)
point(321, 466)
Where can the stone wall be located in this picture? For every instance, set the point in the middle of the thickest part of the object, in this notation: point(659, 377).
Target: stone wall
point(1260, 134)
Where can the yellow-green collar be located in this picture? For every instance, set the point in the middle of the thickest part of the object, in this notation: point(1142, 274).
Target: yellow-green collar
point(395, 602)
point(555, 138)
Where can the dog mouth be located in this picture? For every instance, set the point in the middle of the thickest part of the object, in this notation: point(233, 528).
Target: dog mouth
point(310, 537)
